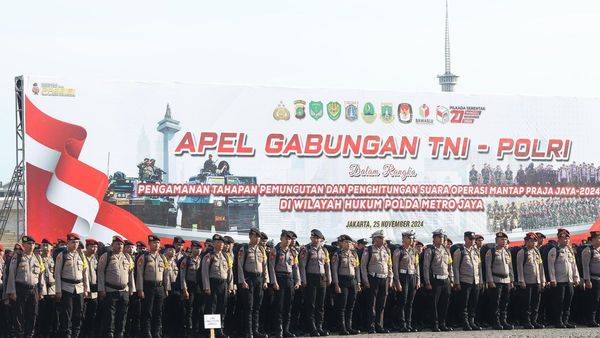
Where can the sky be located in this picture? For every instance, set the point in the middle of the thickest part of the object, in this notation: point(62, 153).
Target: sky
point(540, 48)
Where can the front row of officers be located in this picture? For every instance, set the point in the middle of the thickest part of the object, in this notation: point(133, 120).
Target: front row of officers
point(205, 281)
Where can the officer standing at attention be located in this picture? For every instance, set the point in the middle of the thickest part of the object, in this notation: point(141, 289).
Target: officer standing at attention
point(48, 317)
point(469, 279)
point(530, 272)
point(217, 280)
point(345, 272)
point(188, 275)
point(91, 300)
point(71, 286)
point(25, 286)
point(152, 285)
point(438, 276)
point(563, 273)
point(284, 273)
point(407, 279)
point(253, 278)
point(173, 311)
point(315, 275)
point(116, 284)
point(377, 276)
point(499, 275)
point(591, 274)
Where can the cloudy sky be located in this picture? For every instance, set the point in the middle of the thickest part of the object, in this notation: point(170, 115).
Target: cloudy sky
point(547, 48)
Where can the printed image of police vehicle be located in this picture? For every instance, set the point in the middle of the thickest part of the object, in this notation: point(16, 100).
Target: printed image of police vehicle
point(152, 210)
point(219, 213)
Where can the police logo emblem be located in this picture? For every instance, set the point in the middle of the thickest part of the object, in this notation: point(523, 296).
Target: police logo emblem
point(281, 113)
point(368, 113)
point(334, 110)
point(387, 114)
point(315, 109)
point(300, 108)
point(442, 114)
point(351, 110)
point(405, 113)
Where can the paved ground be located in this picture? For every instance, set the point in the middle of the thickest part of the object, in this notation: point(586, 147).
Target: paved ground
point(545, 333)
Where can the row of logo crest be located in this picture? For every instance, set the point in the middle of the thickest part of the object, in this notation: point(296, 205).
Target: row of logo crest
point(404, 111)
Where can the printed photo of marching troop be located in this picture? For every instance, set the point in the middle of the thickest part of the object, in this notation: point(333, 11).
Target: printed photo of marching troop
point(162, 287)
point(539, 214)
point(573, 174)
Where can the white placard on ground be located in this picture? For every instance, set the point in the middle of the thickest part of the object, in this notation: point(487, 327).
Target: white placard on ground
point(212, 321)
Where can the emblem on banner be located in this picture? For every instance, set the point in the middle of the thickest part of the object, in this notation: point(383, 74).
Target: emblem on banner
point(315, 109)
point(387, 112)
point(424, 110)
point(442, 114)
point(405, 113)
point(351, 110)
point(368, 113)
point(281, 112)
point(300, 108)
point(334, 110)
point(35, 89)
point(424, 115)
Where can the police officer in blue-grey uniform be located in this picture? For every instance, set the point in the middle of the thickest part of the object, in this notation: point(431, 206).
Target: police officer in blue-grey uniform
point(315, 274)
point(438, 277)
point(345, 272)
point(405, 263)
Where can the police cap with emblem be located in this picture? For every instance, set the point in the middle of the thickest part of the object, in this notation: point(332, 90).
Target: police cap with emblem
point(530, 235)
point(263, 236)
point(178, 240)
point(409, 234)
point(140, 243)
point(128, 242)
point(362, 241)
point(228, 239)
point(153, 238)
point(217, 237)
point(254, 231)
point(118, 239)
point(27, 239)
point(501, 234)
point(594, 234)
point(317, 233)
point(378, 233)
point(563, 232)
point(73, 237)
point(344, 238)
point(195, 243)
point(439, 232)
point(288, 234)
point(470, 235)
point(540, 235)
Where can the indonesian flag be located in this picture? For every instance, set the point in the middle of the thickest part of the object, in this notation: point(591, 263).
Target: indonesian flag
point(64, 194)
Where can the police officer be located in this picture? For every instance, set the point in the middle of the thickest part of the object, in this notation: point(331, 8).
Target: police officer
point(25, 286)
point(285, 278)
point(563, 274)
point(91, 300)
point(253, 278)
point(178, 243)
point(48, 321)
point(152, 285)
point(315, 275)
point(345, 272)
point(376, 276)
point(217, 276)
point(173, 313)
point(231, 322)
point(466, 263)
point(406, 279)
point(530, 272)
point(71, 286)
point(591, 275)
point(500, 278)
point(188, 275)
point(438, 277)
point(116, 284)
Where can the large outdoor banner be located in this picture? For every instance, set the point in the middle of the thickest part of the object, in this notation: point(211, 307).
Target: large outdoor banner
point(132, 158)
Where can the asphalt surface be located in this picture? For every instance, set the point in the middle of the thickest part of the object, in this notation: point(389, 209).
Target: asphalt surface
point(546, 333)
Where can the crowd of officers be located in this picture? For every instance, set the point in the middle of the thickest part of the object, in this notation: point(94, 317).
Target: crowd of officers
point(288, 290)
point(568, 174)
